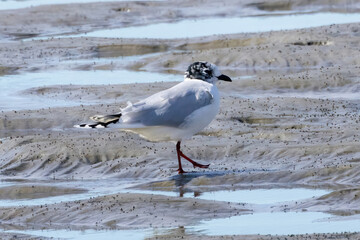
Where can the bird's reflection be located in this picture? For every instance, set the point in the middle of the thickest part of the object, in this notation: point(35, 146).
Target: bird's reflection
point(182, 179)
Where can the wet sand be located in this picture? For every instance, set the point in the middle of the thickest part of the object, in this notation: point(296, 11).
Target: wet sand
point(289, 119)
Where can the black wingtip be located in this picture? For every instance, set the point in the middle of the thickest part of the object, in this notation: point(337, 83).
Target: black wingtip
point(94, 125)
point(103, 123)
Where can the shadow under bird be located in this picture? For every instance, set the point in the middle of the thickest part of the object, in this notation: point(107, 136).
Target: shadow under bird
point(174, 114)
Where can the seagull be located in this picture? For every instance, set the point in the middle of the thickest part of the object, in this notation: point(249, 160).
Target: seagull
point(173, 114)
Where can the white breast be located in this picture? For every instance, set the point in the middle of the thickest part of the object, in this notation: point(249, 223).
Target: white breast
point(201, 118)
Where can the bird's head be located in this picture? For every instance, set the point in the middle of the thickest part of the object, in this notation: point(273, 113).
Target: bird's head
point(205, 71)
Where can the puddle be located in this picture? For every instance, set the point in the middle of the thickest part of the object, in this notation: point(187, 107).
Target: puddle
point(16, 4)
point(282, 223)
point(278, 223)
point(89, 234)
point(12, 85)
point(94, 188)
point(104, 187)
point(199, 28)
point(255, 196)
point(35, 192)
point(98, 77)
point(263, 196)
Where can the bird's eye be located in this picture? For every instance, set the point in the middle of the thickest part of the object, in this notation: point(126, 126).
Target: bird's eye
point(208, 71)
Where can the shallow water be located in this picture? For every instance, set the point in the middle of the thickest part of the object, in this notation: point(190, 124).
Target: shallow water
point(280, 223)
point(104, 187)
point(257, 223)
point(263, 196)
point(94, 188)
point(213, 26)
point(16, 4)
point(255, 196)
point(11, 97)
point(90, 234)
point(276, 223)
point(261, 222)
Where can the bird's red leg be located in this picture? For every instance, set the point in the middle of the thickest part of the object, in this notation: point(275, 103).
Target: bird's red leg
point(180, 170)
point(195, 164)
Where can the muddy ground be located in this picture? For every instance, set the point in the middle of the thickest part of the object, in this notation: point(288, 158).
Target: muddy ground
point(289, 119)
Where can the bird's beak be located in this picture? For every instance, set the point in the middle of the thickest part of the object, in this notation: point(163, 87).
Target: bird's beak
point(224, 78)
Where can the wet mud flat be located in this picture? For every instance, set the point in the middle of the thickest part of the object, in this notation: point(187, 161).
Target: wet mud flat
point(288, 122)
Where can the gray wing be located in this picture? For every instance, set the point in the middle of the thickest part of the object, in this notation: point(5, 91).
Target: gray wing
point(169, 112)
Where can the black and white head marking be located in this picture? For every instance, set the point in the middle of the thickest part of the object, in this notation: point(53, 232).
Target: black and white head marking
point(199, 70)
point(205, 71)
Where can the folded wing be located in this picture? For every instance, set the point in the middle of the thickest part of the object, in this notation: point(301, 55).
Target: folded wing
point(166, 108)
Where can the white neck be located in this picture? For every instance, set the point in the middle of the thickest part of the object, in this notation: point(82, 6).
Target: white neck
point(211, 81)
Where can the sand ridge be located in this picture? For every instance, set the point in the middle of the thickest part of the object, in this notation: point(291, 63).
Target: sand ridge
point(289, 119)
